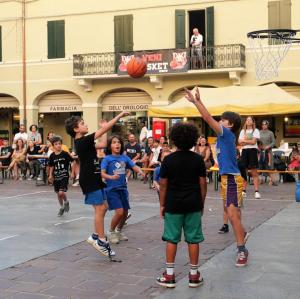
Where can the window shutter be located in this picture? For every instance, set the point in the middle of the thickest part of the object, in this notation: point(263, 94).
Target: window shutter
point(210, 36)
point(180, 42)
point(118, 34)
point(274, 14)
point(60, 39)
point(0, 43)
point(51, 40)
point(128, 33)
point(285, 14)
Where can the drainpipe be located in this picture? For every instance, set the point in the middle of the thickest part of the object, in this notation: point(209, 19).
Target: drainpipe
point(24, 62)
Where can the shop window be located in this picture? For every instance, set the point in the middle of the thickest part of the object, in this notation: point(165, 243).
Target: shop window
point(279, 14)
point(56, 39)
point(0, 43)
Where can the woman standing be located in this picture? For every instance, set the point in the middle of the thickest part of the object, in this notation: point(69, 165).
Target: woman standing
point(202, 148)
point(34, 135)
point(248, 140)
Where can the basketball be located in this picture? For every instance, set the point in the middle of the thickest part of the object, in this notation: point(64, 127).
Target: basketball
point(136, 67)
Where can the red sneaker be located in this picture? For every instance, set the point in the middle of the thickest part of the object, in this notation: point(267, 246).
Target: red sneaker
point(195, 280)
point(166, 280)
point(241, 259)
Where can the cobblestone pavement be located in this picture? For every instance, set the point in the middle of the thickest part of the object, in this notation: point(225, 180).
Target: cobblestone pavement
point(78, 271)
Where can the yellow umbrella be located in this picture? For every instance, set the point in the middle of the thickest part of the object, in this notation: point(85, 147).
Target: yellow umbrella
point(245, 100)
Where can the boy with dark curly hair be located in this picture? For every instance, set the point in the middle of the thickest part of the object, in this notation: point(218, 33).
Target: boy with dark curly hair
point(231, 179)
point(182, 195)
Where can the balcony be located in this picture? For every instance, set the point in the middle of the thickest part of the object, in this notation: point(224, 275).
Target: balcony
point(223, 58)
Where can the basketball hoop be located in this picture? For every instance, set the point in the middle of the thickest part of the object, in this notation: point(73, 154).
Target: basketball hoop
point(269, 48)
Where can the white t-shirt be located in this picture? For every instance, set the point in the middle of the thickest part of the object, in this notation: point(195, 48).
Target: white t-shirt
point(155, 152)
point(196, 40)
point(143, 134)
point(23, 136)
point(250, 133)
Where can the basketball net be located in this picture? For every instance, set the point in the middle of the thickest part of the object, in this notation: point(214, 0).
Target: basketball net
point(268, 52)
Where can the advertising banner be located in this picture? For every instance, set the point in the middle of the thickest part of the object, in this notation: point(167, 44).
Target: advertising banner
point(158, 62)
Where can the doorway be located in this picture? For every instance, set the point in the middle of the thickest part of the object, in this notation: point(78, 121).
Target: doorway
point(197, 20)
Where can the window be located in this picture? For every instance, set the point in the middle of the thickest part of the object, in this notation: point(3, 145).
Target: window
point(123, 33)
point(56, 39)
point(0, 43)
point(279, 13)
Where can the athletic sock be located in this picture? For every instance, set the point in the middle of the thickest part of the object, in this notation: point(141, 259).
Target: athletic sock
point(242, 248)
point(102, 240)
point(95, 236)
point(193, 269)
point(170, 268)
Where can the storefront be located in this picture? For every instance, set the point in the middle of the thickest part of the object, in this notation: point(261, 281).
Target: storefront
point(137, 102)
point(9, 116)
point(54, 109)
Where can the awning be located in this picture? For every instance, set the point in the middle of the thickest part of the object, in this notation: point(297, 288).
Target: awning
point(245, 100)
point(9, 102)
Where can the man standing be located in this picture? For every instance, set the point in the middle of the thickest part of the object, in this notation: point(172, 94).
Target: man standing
point(196, 43)
point(143, 134)
point(268, 142)
point(132, 150)
point(21, 135)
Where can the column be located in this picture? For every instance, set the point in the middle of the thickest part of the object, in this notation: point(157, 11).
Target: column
point(92, 113)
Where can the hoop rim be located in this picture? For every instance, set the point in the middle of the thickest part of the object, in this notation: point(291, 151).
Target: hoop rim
point(283, 34)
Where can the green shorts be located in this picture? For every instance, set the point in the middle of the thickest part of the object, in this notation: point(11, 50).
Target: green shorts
point(190, 223)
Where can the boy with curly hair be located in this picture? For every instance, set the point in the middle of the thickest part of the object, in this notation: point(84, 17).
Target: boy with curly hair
point(182, 195)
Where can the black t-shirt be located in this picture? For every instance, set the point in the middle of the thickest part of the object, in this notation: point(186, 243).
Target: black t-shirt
point(132, 150)
point(33, 151)
point(3, 152)
point(61, 163)
point(183, 169)
point(90, 175)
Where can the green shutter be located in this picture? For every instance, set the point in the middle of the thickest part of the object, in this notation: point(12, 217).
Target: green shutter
point(60, 39)
point(51, 40)
point(210, 36)
point(118, 31)
point(285, 14)
point(274, 14)
point(123, 28)
point(56, 39)
point(0, 43)
point(128, 33)
point(180, 42)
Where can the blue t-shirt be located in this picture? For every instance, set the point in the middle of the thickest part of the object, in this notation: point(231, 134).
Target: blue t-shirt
point(116, 164)
point(226, 153)
point(156, 174)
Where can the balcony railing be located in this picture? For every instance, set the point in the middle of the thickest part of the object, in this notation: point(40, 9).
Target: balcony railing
point(217, 57)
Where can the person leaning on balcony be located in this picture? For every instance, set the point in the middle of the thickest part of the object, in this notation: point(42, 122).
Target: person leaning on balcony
point(196, 43)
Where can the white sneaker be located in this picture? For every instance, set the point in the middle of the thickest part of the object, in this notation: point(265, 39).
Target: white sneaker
point(39, 178)
point(257, 195)
point(113, 238)
point(103, 248)
point(76, 184)
point(121, 236)
point(92, 239)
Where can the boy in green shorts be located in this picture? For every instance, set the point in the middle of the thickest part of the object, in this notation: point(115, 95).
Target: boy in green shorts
point(182, 195)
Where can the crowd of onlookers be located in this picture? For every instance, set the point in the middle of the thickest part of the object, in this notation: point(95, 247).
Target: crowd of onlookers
point(27, 155)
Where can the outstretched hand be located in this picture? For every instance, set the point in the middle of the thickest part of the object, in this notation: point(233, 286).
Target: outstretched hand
point(125, 113)
point(190, 97)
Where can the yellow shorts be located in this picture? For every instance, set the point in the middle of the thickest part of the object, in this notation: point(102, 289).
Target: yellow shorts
point(231, 190)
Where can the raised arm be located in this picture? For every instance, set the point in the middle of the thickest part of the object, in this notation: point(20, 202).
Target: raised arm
point(196, 100)
point(106, 127)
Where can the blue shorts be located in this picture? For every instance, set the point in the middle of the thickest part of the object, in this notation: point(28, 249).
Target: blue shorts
point(117, 199)
point(97, 197)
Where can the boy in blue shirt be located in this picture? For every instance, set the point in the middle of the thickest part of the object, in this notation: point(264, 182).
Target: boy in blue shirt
point(113, 170)
point(231, 180)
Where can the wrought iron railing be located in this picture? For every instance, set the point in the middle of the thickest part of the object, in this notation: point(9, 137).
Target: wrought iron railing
point(216, 57)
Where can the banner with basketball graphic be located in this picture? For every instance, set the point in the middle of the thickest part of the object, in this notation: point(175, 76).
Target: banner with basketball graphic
point(158, 62)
